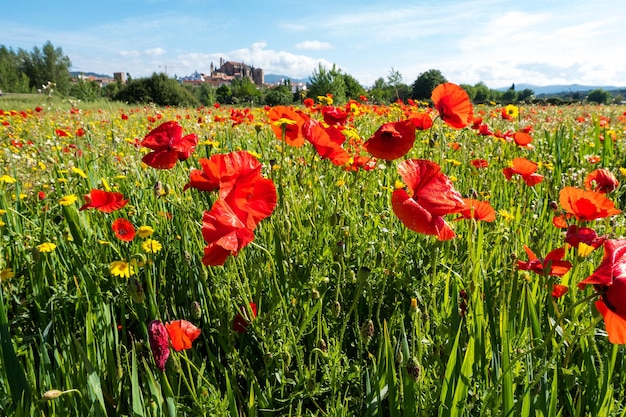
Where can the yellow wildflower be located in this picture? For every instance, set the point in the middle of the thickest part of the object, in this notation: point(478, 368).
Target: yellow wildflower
point(6, 274)
point(68, 200)
point(145, 231)
point(151, 246)
point(46, 247)
point(79, 172)
point(7, 179)
point(121, 269)
point(512, 111)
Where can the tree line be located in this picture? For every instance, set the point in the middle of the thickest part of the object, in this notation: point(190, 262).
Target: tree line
point(48, 69)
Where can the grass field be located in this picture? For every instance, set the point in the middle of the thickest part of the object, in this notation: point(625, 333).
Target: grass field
point(357, 314)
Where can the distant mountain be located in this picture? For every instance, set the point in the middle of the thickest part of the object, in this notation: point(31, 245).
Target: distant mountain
point(556, 89)
point(276, 78)
point(89, 74)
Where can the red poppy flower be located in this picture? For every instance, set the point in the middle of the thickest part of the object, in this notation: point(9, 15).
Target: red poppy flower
point(391, 140)
point(123, 229)
point(242, 320)
point(157, 336)
point(224, 232)
point(576, 235)
point(334, 115)
point(609, 279)
point(586, 205)
point(289, 119)
point(453, 104)
point(480, 163)
point(523, 139)
point(601, 180)
point(221, 171)
point(559, 290)
point(478, 210)
point(182, 334)
point(524, 168)
point(104, 201)
point(552, 264)
point(61, 133)
point(327, 142)
point(430, 197)
point(168, 145)
point(421, 120)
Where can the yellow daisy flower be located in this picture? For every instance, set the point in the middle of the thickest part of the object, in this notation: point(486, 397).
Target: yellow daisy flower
point(121, 269)
point(145, 231)
point(151, 246)
point(46, 247)
point(7, 179)
point(68, 200)
point(6, 274)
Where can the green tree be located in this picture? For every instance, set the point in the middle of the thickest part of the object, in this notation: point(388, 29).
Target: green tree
point(395, 82)
point(85, 90)
point(280, 95)
point(599, 96)
point(245, 90)
point(525, 95)
point(482, 93)
point(353, 88)
point(158, 89)
point(509, 96)
point(11, 78)
point(380, 92)
point(425, 83)
point(46, 65)
point(324, 81)
point(224, 94)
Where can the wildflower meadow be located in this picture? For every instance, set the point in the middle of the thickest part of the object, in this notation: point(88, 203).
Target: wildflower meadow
point(413, 259)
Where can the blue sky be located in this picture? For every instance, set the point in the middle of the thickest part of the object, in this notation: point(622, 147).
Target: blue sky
point(498, 42)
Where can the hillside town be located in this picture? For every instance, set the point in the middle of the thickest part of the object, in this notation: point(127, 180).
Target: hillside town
point(218, 76)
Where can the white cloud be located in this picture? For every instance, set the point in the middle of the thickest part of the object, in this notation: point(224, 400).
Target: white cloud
point(313, 45)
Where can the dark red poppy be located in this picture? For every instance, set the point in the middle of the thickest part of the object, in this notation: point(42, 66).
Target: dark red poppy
point(123, 229)
point(552, 264)
point(224, 232)
point(524, 168)
point(157, 337)
point(601, 180)
point(609, 279)
point(391, 140)
point(182, 334)
point(431, 196)
point(168, 145)
point(290, 120)
point(586, 205)
point(478, 210)
point(479, 163)
point(453, 104)
point(576, 235)
point(334, 115)
point(327, 142)
point(104, 201)
point(242, 319)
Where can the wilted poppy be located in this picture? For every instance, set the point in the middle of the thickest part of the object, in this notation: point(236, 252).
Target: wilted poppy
point(242, 319)
point(224, 233)
point(478, 210)
point(123, 229)
point(453, 104)
point(609, 279)
point(525, 169)
point(182, 334)
point(168, 145)
point(391, 140)
point(327, 142)
point(431, 196)
point(104, 201)
point(586, 205)
point(552, 264)
point(157, 336)
point(601, 180)
point(288, 120)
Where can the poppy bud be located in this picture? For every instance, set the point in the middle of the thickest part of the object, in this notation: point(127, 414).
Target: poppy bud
point(554, 206)
point(51, 394)
point(413, 368)
point(367, 331)
point(334, 219)
point(159, 344)
point(196, 310)
point(315, 294)
point(135, 289)
point(399, 358)
point(167, 189)
point(364, 273)
point(321, 344)
point(336, 309)
point(340, 249)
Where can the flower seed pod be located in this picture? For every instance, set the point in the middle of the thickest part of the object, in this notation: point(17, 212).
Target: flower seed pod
point(336, 309)
point(196, 310)
point(367, 331)
point(413, 368)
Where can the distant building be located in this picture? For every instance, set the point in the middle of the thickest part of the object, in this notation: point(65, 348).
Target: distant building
point(225, 74)
point(120, 77)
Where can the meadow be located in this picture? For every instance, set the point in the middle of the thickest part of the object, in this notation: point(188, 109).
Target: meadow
point(312, 260)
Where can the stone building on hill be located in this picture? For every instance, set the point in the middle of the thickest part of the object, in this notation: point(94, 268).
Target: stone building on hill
point(225, 74)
